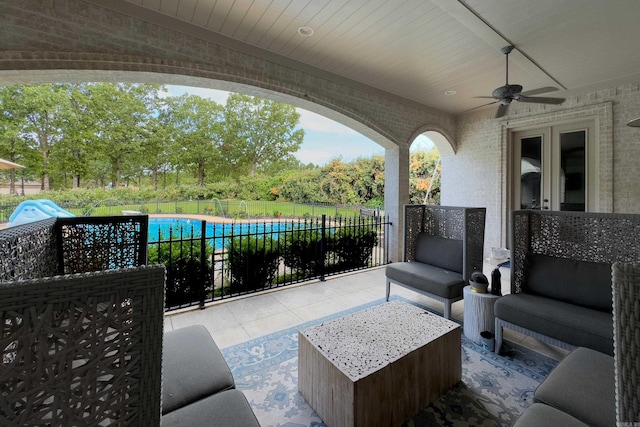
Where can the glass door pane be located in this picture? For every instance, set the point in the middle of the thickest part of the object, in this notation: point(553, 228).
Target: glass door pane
point(531, 172)
point(573, 173)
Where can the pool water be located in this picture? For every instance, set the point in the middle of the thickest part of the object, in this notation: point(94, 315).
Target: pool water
point(159, 229)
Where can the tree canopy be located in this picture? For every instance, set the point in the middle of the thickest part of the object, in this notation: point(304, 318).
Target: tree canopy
point(106, 135)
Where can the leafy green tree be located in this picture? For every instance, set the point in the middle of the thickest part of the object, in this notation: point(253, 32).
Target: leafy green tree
point(194, 125)
point(369, 184)
point(301, 186)
point(12, 146)
point(260, 134)
point(45, 112)
point(338, 182)
point(121, 114)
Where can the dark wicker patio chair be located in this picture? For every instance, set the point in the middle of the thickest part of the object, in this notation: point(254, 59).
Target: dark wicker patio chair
point(82, 349)
point(626, 341)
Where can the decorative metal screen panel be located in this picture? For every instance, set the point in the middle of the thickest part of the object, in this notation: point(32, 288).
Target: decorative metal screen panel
point(452, 222)
point(102, 243)
point(583, 236)
point(28, 251)
point(82, 349)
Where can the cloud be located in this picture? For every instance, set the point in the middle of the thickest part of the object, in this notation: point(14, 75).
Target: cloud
point(315, 122)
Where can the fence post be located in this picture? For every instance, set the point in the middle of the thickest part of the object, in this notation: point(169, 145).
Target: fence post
point(203, 263)
point(323, 244)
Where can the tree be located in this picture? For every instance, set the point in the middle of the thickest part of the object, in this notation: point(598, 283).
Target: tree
point(122, 112)
point(369, 184)
point(195, 128)
point(424, 176)
point(338, 182)
point(260, 134)
point(12, 146)
point(46, 112)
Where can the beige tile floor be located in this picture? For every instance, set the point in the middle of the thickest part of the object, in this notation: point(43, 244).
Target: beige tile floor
point(237, 320)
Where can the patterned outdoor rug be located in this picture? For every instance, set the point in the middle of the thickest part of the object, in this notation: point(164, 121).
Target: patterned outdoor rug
point(494, 389)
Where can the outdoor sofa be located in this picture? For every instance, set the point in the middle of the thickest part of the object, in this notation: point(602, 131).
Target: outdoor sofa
point(589, 388)
point(561, 276)
point(198, 388)
point(443, 246)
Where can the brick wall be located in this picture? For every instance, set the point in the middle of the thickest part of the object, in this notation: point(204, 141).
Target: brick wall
point(477, 174)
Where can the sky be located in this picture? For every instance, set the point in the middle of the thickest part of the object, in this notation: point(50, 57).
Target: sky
point(324, 139)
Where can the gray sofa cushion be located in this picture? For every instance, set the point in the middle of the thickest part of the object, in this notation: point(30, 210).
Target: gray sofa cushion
point(583, 386)
point(227, 408)
point(538, 415)
point(427, 278)
point(584, 283)
point(192, 367)
point(439, 251)
point(573, 324)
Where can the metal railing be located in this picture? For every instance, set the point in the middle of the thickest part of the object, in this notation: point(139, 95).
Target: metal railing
point(209, 261)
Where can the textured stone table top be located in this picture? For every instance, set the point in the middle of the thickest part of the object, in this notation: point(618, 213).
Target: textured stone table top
point(364, 342)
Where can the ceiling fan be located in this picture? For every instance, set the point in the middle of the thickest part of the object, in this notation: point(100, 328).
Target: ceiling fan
point(507, 93)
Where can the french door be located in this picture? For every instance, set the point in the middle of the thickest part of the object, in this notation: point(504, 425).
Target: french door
point(551, 168)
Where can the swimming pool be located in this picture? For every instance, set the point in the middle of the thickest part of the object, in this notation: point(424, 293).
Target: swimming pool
point(159, 229)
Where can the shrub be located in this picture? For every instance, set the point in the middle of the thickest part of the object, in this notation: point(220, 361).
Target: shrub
point(303, 252)
point(186, 278)
point(253, 262)
point(353, 246)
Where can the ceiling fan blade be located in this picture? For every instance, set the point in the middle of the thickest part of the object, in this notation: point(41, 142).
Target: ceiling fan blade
point(502, 110)
point(540, 100)
point(487, 97)
point(480, 106)
point(539, 91)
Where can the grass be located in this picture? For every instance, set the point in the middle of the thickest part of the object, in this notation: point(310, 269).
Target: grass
point(227, 208)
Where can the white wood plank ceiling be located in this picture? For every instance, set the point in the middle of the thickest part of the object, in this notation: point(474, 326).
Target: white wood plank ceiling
point(419, 49)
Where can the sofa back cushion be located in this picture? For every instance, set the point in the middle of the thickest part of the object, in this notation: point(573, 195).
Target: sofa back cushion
point(583, 283)
point(439, 251)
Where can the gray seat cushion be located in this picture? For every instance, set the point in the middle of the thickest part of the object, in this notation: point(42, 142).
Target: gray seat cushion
point(440, 252)
point(573, 324)
point(538, 415)
point(577, 282)
point(192, 367)
point(583, 386)
point(428, 278)
point(225, 409)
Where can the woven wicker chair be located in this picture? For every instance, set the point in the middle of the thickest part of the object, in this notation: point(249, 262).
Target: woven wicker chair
point(83, 349)
point(602, 238)
point(441, 279)
point(626, 339)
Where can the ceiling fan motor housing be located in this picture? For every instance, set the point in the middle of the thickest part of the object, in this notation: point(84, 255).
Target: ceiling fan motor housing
point(506, 91)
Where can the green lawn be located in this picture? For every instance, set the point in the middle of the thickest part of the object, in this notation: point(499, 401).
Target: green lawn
point(227, 208)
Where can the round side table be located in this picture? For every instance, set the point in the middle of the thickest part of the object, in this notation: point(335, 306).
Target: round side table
point(478, 313)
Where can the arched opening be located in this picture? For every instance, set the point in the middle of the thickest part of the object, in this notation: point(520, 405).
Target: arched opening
point(425, 168)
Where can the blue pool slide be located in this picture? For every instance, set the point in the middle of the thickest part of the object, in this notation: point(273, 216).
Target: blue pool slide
point(36, 210)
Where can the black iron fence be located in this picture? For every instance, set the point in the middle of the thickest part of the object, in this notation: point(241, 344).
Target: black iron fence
point(208, 261)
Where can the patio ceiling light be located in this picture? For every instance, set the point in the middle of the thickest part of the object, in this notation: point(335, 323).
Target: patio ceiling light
point(305, 31)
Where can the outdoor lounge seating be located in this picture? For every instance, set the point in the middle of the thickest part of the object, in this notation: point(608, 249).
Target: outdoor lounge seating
point(83, 349)
point(88, 348)
point(591, 388)
point(197, 386)
point(443, 246)
point(561, 276)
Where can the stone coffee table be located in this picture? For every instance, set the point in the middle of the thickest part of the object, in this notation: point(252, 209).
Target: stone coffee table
point(379, 366)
